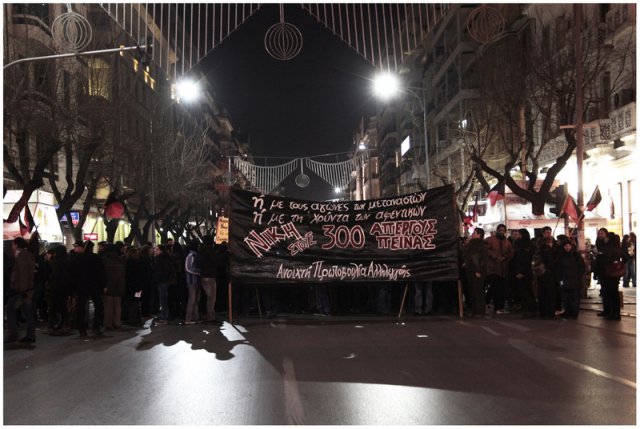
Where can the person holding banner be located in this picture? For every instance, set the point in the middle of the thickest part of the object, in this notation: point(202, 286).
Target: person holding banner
point(475, 265)
point(209, 265)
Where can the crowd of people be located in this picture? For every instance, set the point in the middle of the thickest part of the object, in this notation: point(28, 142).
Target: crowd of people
point(127, 285)
point(544, 277)
point(540, 277)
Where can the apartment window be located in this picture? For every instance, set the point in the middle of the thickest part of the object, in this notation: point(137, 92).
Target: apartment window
point(99, 71)
point(604, 9)
point(43, 82)
point(39, 10)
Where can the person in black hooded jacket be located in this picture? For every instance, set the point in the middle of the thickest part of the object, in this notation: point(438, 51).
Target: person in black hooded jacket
point(569, 272)
point(60, 284)
point(524, 273)
point(545, 276)
point(89, 279)
point(475, 265)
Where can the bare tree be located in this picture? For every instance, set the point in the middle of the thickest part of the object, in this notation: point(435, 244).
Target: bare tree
point(532, 76)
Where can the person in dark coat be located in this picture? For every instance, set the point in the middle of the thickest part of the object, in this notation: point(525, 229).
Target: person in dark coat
point(210, 263)
point(524, 273)
point(611, 297)
point(148, 288)
point(500, 253)
point(475, 265)
point(21, 292)
point(598, 266)
point(178, 291)
point(134, 284)
point(88, 279)
point(629, 249)
point(163, 275)
point(115, 268)
point(545, 277)
point(569, 271)
point(40, 279)
point(60, 284)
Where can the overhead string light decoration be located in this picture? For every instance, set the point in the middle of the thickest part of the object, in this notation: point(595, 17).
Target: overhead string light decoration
point(302, 180)
point(71, 31)
point(265, 179)
point(283, 41)
point(337, 174)
point(182, 34)
point(485, 24)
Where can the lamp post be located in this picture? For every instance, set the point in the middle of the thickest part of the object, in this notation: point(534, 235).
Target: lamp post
point(188, 91)
point(386, 86)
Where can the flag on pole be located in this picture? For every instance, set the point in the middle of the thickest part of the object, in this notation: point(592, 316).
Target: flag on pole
point(594, 200)
point(28, 218)
point(496, 193)
point(23, 228)
point(475, 212)
point(112, 207)
point(571, 209)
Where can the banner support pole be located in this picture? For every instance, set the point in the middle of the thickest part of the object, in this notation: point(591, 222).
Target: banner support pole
point(405, 295)
point(258, 300)
point(230, 305)
point(460, 298)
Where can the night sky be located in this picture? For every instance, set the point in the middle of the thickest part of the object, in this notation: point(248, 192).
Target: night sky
point(307, 106)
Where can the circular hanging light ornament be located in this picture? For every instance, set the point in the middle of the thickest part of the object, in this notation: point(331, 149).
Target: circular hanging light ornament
point(283, 41)
point(485, 24)
point(229, 178)
point(71, 31)
point(302, 180)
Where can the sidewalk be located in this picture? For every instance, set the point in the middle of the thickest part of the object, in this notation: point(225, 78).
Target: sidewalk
point(594, 302)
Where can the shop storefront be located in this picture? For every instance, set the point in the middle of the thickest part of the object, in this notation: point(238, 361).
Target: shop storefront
point(41, 205)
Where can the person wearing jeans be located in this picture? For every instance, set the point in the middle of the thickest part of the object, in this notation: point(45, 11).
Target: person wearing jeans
point(162, 275)
point(210, 263)
point(192, 267)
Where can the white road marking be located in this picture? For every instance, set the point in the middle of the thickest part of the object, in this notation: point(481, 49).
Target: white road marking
point(598, 372)
point(292, 403)
point(515, 326)
point(491, 331)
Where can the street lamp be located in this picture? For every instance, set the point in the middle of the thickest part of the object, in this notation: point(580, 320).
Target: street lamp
point(189, 91)
point(386, 86)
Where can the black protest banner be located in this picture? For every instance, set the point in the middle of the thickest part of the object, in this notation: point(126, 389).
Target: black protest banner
point(407, 238)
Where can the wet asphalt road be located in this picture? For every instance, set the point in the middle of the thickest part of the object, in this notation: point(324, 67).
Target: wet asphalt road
point(363, 370)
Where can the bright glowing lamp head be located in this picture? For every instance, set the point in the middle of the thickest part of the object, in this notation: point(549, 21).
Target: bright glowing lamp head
point(337, 190)
point(386, 85)
point(187, 90)
point(362, 146)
